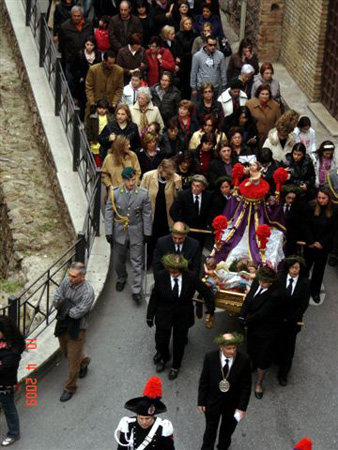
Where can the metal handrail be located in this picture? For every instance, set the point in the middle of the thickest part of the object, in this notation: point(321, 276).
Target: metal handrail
point(31, 310)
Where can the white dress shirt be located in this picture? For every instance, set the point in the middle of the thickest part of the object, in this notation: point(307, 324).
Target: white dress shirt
point(230, 361)
point(178, 247)
point(199, 201)
point(260, 290)
point(172, 280)
point(295, 279)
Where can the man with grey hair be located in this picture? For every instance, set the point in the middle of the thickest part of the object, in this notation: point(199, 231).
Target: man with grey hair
point(72, 36)
point(73, 300)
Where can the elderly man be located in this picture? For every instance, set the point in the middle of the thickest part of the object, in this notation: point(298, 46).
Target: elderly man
point(72, 36)
point(73, 300)
point(104, 82)
point(192, 206)
point(208, 65)
point(122, 26)
point(178, 242)
point(146, 428)
point(128, 223)
point(171, 306)
point(224, 390)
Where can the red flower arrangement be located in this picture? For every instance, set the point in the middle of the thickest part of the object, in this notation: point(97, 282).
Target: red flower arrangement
point(237, 173)
point(219, 224)
point(280, 176)
point(254, 191)
point(263, 233)
point(153, 388)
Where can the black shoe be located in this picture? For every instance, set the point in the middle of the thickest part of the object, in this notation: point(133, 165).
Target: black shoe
point(83, 371)
point(259, 395)
point(283, 381)
point(333, 261)
point(120, 286)
point(137, 298)
point(316, 298)
point(66, 396)
point(157, 358)
point(160, 366)
point(173, 373)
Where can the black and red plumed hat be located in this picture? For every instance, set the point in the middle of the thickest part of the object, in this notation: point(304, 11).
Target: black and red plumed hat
point(150, 404)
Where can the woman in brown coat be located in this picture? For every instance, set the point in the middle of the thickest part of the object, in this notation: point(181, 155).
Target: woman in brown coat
point(119, 157)
point(265, 110)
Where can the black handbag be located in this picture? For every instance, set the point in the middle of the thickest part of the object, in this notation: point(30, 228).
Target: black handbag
point(225, 47)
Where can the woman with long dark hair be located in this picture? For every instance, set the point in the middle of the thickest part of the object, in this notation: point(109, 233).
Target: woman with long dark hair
point(321, 226)
point(185, 38)
point(302, 172)
point(243, 119)
point(80, 65)
point(245, 55)
point(12, 344)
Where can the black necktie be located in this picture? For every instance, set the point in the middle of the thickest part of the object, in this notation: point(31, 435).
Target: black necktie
point(226, 367)
point(289, 288)
point(287, 210)
point(175, 290)
point(196, 204)
point(178, 249)
point(258, 292)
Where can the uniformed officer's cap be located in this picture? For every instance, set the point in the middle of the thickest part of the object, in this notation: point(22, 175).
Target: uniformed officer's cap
point(128, 172)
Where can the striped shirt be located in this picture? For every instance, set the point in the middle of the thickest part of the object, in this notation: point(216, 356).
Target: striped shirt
point(82, 297)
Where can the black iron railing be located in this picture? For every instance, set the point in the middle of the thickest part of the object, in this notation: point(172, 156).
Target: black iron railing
point(32, 309)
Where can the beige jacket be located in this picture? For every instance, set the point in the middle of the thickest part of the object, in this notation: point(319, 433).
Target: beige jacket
point(111, 173)
point(150, 182)
point(153, 115)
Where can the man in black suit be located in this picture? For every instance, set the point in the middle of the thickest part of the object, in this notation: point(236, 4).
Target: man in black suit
point(178, 242)
point(192, 206)
point(172, 308)
point(296, 288)
point(224, 390)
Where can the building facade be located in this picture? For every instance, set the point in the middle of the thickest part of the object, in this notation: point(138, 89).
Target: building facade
point(303, 35)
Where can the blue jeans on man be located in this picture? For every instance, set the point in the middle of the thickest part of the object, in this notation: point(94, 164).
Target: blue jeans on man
point(11, 414)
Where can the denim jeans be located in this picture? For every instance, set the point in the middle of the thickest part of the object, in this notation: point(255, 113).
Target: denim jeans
point(11, 414)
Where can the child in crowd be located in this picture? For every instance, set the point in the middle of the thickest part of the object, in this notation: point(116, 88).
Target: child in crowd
point(325, 159)
point(94, 126)
point(306, 134)
point(101, 35)
point(129, 96)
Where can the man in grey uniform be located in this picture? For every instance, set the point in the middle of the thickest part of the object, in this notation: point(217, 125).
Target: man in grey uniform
point(128, 223)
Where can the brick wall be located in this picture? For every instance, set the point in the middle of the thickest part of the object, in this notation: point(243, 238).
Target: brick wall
point(303, 41)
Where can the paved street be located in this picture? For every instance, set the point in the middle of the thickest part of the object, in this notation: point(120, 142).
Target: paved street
point(122, 346)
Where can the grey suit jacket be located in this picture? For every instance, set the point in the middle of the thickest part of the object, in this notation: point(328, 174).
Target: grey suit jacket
point(137, 207)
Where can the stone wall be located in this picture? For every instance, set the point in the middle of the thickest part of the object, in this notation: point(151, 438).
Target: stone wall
point(35, 223)
point(303, 41)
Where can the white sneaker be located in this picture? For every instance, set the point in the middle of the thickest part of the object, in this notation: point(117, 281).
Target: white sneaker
point(9, 441)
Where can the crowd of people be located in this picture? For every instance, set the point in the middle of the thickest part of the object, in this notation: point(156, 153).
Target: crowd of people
point(167, 118)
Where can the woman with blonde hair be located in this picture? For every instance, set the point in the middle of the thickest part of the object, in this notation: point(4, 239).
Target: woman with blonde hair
point(121, 124)
point(163, 185)
point(119, 157)
point(185, 38)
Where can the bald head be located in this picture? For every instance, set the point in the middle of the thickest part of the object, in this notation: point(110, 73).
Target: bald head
point(178, 233)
